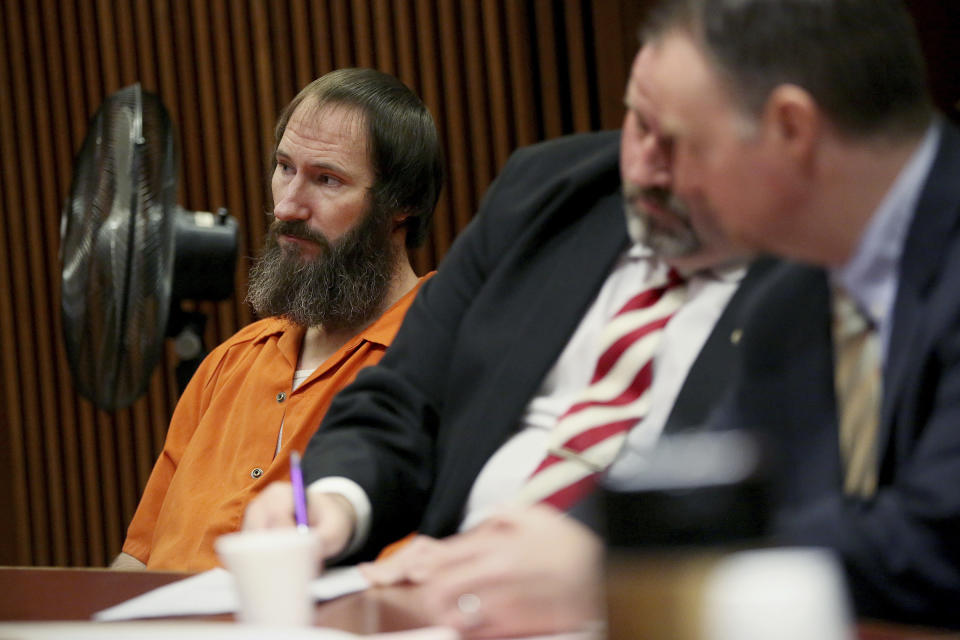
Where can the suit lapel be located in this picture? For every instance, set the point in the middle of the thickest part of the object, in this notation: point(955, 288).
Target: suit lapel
point(570, 265)
point(709, 376)
point(580, 265)
point(784, 389)
point(931, 233)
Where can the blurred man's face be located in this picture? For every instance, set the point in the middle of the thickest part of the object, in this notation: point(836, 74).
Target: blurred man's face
point(330, 255)
point(656, 216)
point(717, 161)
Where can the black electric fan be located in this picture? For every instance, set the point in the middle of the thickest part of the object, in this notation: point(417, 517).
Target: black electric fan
point(129, 254)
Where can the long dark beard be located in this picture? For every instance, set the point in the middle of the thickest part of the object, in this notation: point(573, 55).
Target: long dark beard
point(343, 287)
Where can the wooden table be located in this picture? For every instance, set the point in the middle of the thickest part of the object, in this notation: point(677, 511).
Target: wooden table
point(31, 593)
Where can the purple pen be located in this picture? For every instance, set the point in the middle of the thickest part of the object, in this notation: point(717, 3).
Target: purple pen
point(299, 497)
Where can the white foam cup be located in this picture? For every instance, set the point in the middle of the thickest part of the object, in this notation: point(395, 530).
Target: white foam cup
point(273, 569)
point(782, 594)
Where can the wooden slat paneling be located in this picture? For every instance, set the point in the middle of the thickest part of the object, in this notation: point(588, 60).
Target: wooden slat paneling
point(67, 426)
point(496, 74)
point(22, 198)
point(454, 125)
point(478, 138)
point(522, 76)
point(17, 545)
point(384, 39)
point(43, 250)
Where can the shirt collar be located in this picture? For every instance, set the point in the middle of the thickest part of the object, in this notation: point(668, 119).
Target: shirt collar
point(870, 276)
point(731, 272)
point(384, 328)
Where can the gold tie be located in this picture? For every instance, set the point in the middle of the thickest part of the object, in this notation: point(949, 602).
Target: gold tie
point(858, 385)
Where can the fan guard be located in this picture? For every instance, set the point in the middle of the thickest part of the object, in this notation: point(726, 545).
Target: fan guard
point(118, 235)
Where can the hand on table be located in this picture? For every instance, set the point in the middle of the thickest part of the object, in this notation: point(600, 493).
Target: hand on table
point(522, 572)
point(329, 513)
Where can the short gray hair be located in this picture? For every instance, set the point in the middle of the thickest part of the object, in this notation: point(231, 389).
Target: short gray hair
point(859, 59)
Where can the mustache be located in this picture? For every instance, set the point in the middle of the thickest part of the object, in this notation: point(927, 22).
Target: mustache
point(660, 196)
point(297, 229)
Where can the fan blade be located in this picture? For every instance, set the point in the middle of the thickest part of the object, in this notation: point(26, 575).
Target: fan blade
point(117, 248)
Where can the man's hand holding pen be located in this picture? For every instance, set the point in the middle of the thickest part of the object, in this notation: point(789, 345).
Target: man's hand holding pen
point(330, 514)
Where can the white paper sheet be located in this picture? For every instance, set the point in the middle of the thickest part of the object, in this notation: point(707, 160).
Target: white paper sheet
point(161, 631)
point(197, 631)
point(212, 592)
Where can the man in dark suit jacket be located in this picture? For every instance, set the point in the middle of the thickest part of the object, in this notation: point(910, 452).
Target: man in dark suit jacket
point(492, 352)
point(805, 129)
point(478, 344)
point(415, 433)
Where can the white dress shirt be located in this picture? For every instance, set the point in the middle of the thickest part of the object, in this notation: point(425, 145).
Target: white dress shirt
point(684, 336)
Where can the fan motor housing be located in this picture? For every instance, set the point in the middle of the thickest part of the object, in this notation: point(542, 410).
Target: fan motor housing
point(205, 255)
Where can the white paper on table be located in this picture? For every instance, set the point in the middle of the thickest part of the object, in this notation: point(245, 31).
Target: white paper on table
point(152, 630)
point(182, 630)
point(213, 592)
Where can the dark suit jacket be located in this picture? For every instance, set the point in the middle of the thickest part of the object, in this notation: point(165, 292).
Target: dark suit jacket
point(902, 549)
point(415, 431)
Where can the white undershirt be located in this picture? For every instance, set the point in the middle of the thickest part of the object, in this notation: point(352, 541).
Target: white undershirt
point(298, 378)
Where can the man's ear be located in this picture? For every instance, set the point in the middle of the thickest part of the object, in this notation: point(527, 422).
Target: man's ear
point(399, 218)
point(793, 121)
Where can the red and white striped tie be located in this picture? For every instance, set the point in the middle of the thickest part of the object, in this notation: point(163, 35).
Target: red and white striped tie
point(589, 435)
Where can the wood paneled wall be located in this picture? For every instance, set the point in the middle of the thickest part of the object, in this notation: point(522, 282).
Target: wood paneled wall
point(496, 74)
